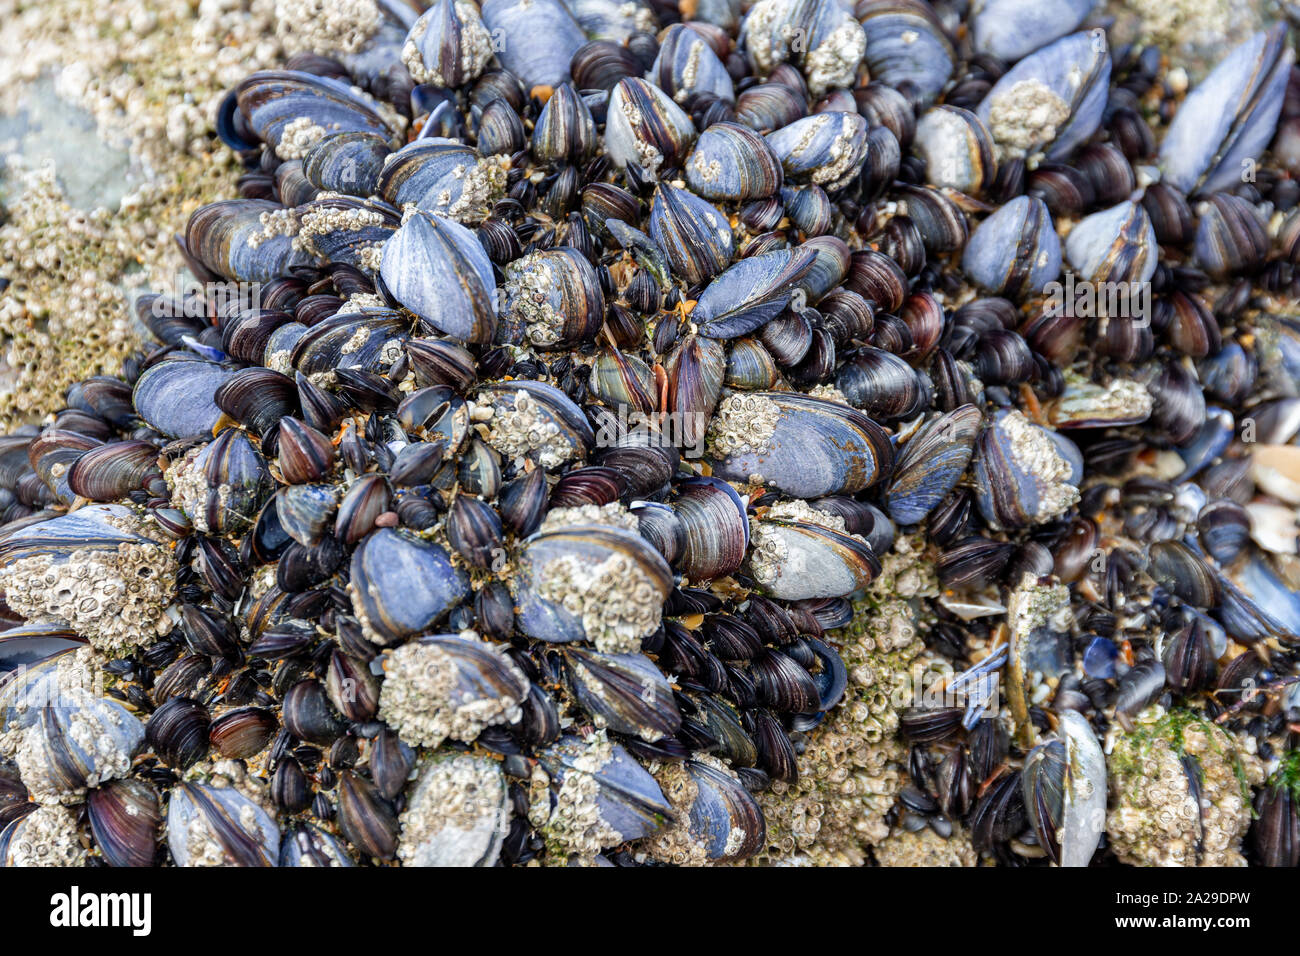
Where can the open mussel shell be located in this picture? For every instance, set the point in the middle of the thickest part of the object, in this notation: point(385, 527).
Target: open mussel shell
point(624, 692)
point(616, 795)
point(800, 560)
point(457, 813)
point(752, 292)
point(1052, 101)
point(805, 447)
point(644, 126)
point(219, 826)
point(1064, 787)
point(437, 269)
point(402, 585)
point(1227, 121)
point(595, 583)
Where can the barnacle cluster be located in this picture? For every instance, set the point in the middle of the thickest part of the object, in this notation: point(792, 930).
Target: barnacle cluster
point(854, 765)
point(1183, 792)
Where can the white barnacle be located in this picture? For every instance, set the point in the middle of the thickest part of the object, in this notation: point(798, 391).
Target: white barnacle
point(275, 222)
point(457, 815)
point(426, 699)
point(529, 286)
point(1035, 454)
point(612, 514)
point(616, 600)
point(768, 554)
point(47, 837)
point(114, 597)
point(327, 220)
point(298, 136)
point(518, 428)
point(1026, 117)
point(575, 824)
point(834, 61)
point(743, 423)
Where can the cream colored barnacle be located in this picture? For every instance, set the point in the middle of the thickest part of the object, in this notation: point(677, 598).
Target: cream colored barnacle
point(743, 423)
point(617, 602)
point(427, 699)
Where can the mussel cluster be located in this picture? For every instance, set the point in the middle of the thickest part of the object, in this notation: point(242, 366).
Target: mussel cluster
point(631, 432)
